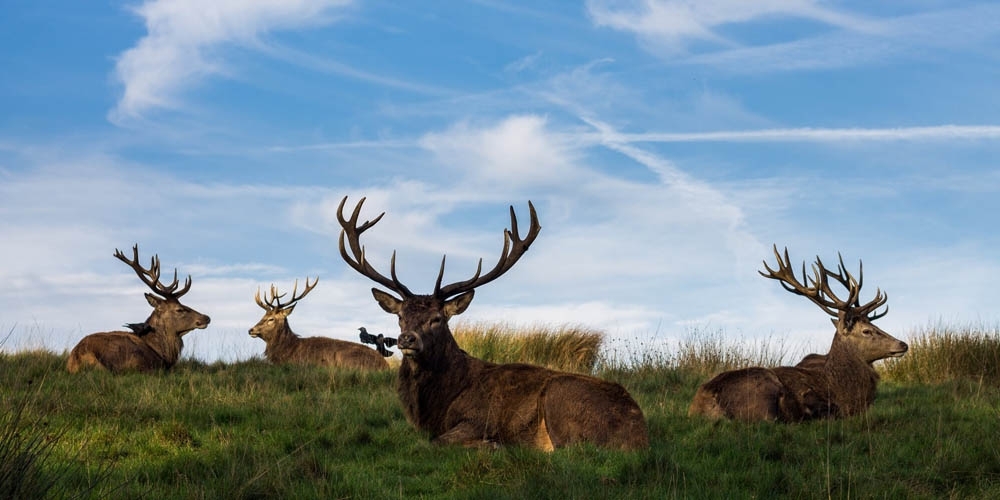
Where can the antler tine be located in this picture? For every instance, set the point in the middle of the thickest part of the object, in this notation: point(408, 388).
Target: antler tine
point(264, 304)
point(305, 291)
point(871, 309)
point(513, 248)
point(853, 303)
point(275, 299)
point(151, 276)
point(351, 231)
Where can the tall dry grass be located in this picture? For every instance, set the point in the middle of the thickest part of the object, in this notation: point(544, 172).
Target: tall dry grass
point(700, 353)
point(572, 348)
point(939, 353)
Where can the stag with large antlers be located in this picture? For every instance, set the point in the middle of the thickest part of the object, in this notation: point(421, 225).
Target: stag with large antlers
point(459, 399)
point(154, 344)
point(839, 384)
point(284, 346)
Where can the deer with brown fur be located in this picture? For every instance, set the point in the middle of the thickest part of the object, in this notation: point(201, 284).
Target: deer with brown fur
point(840, 383)
point(459, 399)
point(156, 343)
point(284, 346)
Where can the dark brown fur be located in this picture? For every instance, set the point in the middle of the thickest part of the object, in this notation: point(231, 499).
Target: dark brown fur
point(157, 349)
point(284, 346)
point(459, 399)
point(840, 383)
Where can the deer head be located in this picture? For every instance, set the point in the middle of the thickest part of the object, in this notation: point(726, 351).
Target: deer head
point(423, 319)
point(169, 315)
point(276, 314)
point(852, 319)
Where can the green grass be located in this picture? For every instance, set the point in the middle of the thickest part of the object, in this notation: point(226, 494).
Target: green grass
point(254, 430)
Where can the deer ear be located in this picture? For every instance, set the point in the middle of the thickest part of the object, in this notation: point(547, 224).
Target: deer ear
point(288, 310)
point(153, 300)
point(459, 304)
point(389, 304)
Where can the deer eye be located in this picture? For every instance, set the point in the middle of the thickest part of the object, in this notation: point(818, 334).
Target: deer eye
point(435, 322)
point(867, 332)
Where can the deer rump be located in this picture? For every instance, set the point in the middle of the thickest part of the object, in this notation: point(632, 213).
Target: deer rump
point(520, 404)
point(116, 352)
point(781, 394)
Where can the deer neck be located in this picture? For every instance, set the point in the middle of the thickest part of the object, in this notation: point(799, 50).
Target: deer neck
point(429, 383)
point(163, 340)
point(852, 380)
point(282, 344)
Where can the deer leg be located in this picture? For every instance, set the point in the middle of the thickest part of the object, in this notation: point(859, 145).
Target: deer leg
point(466, 434)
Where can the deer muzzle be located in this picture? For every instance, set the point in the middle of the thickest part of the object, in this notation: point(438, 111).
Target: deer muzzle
point(409, 344)
point(899, 350)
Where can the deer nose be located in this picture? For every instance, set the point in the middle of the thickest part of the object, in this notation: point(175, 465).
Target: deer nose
point(406, 340)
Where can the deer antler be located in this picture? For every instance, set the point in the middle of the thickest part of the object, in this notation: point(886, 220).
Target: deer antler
point(151, 276)
point(513, 248)
point(352, 232)
point(272, 301)
point(817, 287)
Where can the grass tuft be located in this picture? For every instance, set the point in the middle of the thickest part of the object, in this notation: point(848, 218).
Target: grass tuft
point(940, 353)
point(571, 348)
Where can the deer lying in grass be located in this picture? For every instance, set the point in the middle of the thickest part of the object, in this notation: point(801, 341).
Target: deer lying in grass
point(284, 346)
point(463, 400)
point(154, 344)
point(839, 384)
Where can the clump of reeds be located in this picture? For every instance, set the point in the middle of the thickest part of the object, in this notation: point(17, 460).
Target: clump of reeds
point(940, 353)
point(25, 446)
point(571, 348)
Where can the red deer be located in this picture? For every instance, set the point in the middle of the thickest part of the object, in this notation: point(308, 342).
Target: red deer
point(152, 345)
point(459, 399)
point(840, 383)
point(284, 346)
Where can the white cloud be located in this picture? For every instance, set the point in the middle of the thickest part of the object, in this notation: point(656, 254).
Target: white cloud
point(671, 29)
point(934, 132)
point(655, 257)
point(524, 63)
point(516, 151)
point(182, 35)
point(669, 25)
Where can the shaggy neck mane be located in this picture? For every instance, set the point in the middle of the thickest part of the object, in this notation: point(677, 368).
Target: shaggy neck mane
point(164, 342)
point(428, 382)
point(851, 378)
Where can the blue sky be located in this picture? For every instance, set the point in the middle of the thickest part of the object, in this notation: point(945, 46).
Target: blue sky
point(666, 147)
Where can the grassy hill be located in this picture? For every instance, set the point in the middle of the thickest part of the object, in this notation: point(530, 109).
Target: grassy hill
point(253, 430)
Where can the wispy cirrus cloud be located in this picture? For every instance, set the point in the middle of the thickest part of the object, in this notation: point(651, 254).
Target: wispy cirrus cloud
point(672, 29)
point(182, 36)
point(809, 134)
point(669, 26)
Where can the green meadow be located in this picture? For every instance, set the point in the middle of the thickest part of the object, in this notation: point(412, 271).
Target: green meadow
point(253, 430)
